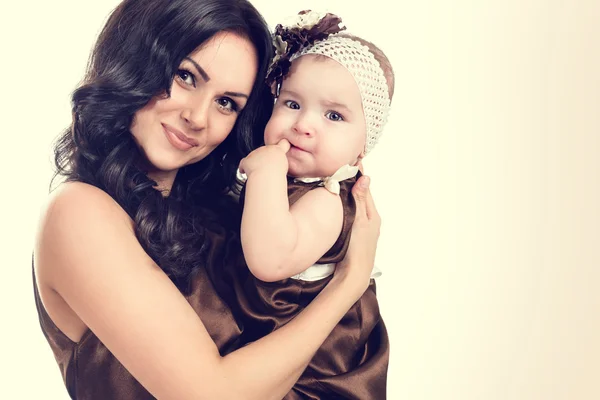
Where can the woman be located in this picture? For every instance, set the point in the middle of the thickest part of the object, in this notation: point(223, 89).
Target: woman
point(173, 93)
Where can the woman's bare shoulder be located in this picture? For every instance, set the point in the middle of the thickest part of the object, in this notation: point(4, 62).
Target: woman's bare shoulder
point(74, 230)
point(78, 198)
point(77, 216)
point(78, 207)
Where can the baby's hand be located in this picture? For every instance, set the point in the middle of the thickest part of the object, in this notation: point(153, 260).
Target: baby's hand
point(271, 156)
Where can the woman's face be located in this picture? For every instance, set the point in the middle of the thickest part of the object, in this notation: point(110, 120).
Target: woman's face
point(210, 88)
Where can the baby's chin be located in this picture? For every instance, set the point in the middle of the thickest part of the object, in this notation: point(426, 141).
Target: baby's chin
point(309, 167)
point(299, 171)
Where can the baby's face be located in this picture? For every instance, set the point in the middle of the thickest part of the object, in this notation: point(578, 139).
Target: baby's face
point(319, 111)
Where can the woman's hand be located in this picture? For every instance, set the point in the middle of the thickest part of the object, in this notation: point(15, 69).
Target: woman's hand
point(355, 269)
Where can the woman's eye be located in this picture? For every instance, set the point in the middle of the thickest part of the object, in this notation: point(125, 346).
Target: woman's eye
point(227, 104)
point(292, 104)
point(334, 116)
point(187, 77)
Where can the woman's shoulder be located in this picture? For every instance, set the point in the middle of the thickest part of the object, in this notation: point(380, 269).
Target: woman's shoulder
point(73, 202)
point(76, 212)
point(72, 193)
point(78, 224)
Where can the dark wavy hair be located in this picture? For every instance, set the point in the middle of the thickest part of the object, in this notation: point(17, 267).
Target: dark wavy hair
point(135, 59)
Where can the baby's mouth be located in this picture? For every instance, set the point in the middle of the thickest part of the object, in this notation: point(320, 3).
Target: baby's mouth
point(295, 147)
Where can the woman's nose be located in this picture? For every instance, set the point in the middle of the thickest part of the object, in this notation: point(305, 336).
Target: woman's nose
point(195, 113)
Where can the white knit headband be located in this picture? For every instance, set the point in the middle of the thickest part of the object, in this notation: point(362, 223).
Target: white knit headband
point(368, 75)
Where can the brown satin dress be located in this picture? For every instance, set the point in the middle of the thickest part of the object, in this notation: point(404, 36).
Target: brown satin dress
point(352, 363)
point(91, 372)
point(237, 309)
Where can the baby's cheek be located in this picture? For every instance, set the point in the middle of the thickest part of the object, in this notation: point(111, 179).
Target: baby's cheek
point(271, 136)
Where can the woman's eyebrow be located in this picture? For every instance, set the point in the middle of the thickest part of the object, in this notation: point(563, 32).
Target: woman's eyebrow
point(236, 94)
point(201, 71)
point(206, 78)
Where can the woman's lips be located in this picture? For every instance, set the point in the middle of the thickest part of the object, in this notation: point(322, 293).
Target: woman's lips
point(178, 139)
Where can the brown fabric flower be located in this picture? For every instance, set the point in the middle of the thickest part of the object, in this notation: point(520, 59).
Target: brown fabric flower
point(289, 40)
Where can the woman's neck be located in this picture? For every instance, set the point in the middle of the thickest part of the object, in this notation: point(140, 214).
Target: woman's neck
point(164, 180)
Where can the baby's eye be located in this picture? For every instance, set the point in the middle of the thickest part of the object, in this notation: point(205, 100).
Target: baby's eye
point(334, 116)
point(187, 77)
point(292, 104)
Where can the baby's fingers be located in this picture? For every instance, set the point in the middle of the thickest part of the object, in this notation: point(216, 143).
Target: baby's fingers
point(284, 145)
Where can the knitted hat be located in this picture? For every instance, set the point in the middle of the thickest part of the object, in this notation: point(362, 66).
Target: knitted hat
point(314, 33)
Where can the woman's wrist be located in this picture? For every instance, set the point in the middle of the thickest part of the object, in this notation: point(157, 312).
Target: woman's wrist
point(352, 283)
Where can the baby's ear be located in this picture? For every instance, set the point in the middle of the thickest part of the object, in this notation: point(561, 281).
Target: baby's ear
point(360, 166)
point(358, 162)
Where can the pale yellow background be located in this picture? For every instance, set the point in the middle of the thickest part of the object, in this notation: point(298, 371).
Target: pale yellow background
point(487, 178)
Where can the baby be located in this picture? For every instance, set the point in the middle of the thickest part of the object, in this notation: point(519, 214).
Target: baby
point(333, 94)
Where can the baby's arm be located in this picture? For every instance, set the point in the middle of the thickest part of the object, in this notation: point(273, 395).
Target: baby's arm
point(280, 241)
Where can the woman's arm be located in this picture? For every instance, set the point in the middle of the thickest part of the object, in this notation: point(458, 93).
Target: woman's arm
point(88, 254)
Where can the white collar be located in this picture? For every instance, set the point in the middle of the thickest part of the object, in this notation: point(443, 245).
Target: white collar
point(332, 183)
